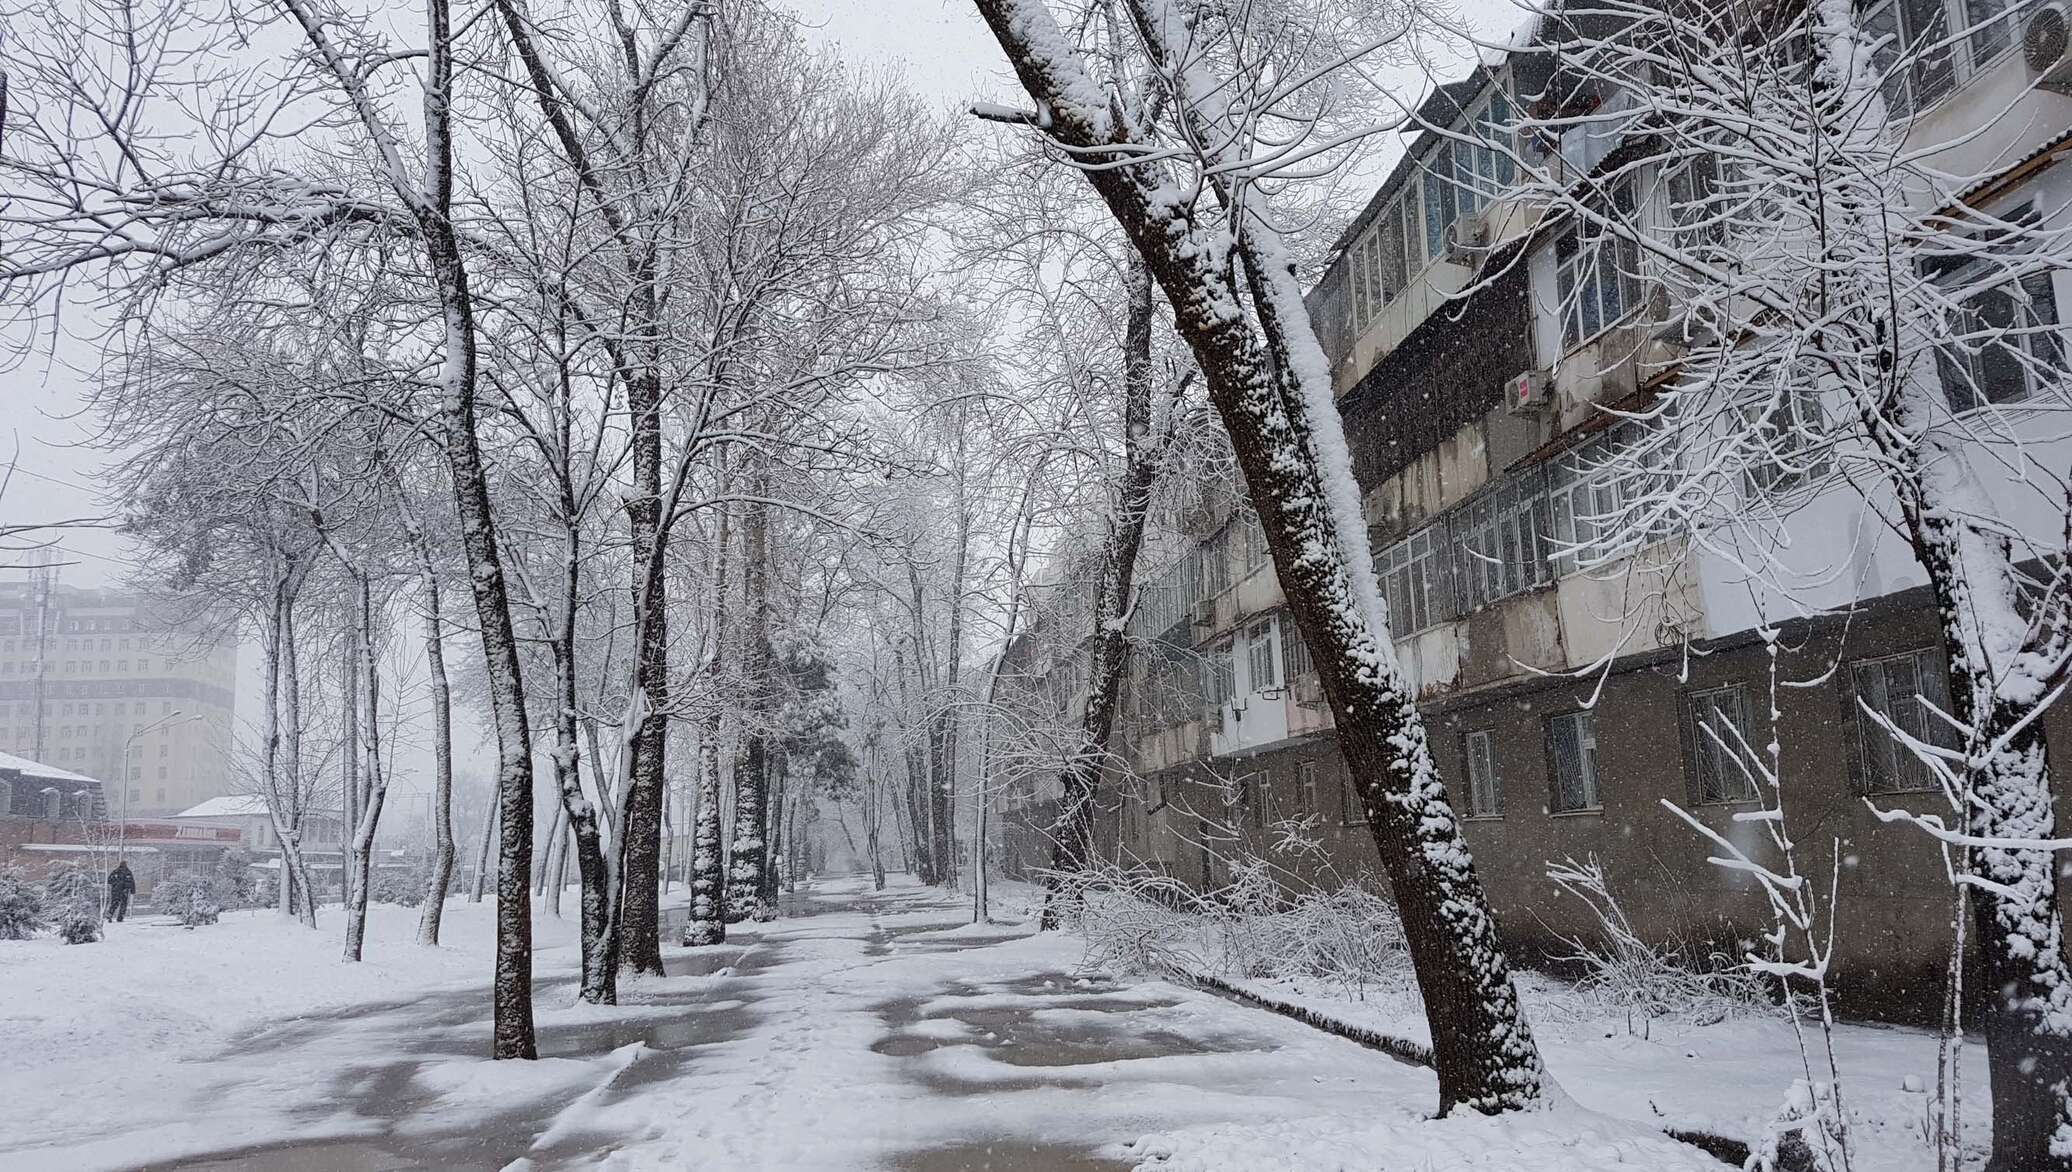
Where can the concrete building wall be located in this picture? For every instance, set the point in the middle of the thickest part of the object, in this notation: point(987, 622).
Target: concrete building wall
point(105, 669)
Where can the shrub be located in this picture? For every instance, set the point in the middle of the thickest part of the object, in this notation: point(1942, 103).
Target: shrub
point(1670, 980)
point(21, 906)
point(404, 887)
point(72, 893)
point(193, 898)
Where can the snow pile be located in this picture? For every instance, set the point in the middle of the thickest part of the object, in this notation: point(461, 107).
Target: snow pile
point(1397, 1140)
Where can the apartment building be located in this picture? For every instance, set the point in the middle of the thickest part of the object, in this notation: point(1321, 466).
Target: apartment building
point(1481, 359)
point(91, 681)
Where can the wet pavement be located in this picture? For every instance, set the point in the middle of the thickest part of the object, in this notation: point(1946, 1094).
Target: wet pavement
point(852, 1033)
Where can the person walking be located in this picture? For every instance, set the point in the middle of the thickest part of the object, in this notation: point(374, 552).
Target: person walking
point(122, 883)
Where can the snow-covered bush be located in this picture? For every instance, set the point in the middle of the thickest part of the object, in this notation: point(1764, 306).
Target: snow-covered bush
point(264, 889)
point(72, 896)
point(194, 899)
point(405, 887)
point(21, 906)
point(1671, 980)
point(1250, 929)
point(237, 885)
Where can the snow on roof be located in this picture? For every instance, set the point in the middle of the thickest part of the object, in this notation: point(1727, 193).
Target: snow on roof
point(81, 847)
point(233, 806)
point(227, 806)
point(39, 769)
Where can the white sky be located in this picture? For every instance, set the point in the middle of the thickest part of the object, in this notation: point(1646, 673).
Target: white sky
point(941, 47)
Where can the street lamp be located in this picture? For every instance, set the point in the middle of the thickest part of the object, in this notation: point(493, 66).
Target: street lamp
point(166, 721)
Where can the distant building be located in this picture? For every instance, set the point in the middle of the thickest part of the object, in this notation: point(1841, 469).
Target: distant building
point(82, 671)
point(323, 832)
point(48, 815)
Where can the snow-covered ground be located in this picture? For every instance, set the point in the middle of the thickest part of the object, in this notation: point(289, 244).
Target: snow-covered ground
point(863, 1031)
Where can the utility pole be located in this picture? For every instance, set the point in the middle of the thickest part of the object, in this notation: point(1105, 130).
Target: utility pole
point(43, 581)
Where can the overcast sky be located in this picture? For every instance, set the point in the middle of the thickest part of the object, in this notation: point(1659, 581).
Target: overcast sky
point(941, 47)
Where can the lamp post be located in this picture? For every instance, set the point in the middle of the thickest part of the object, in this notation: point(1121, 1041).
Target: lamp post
point(166, 721)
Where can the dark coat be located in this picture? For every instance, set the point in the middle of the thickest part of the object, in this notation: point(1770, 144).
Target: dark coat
point(122, 881)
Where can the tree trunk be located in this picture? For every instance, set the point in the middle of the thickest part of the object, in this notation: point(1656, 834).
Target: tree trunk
point(1072, 852)
point(708, 918)
point(282, 801)
point(377, 785)
point(599, 940)
point(1268, 379)
point(349, 762)
point(489, 820)
point(749, 849)
point(640, 838)
point(442, 758)
point(1988, 633)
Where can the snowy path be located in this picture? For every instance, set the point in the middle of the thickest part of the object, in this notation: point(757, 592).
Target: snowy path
point(863, 1031)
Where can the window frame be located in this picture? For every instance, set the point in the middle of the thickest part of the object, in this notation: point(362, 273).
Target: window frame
point(1413, 571)
point(1927, 666)
point(1589, 781)
point(1702, 749)
point(1613, 266)
point(1262, 635)
point(1485, 786)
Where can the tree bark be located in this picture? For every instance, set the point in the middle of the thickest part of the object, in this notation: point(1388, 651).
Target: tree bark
point(640, 837)
point(1072, 852)
point(489, 821)
point(442, 755)
point(599, 941)
point(1267, 376)
point(749, 849)
point(377, 784)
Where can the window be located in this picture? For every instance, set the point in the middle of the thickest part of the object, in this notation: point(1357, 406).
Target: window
point(2006, 345)
point(1597, 279)
point(1485, 791)
point(1718, 745)
point(1254, 540)
point(1501, 550)
point(1217, 682)
point(53, 806)
point(6, 798)
point(1295, 650)
point(1594, 130)
point(1413, 580)
point(1211, 574)
point(1599, 492)
point(1572, 743)
point(1260, 786)
point(1789, 442)
point(1915, 53)
point(1260, 658)
point(1380, 262)
point(1350, 811)
point(1901, 688)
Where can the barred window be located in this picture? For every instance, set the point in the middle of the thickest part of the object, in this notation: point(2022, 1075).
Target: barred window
point(1485, 791)
point(1572, 744)
point(1901, 688)
point(1502, 550)
point(1295, 650)
point(1718, 741)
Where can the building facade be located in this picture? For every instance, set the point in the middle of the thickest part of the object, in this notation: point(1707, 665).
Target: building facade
point(1481, 361)
point(90, 681)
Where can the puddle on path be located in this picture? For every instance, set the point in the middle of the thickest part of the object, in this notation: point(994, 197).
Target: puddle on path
point(478, 1154)
point(1006, 1156)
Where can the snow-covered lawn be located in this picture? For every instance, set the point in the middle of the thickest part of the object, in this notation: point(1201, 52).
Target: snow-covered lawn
point(1727, 1078)
point(866, 1031)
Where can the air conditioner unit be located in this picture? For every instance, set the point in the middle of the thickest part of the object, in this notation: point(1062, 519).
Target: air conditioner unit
point(2047, 48)
point(1465, 239)
point(1203, 613)
point(1527, 391)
